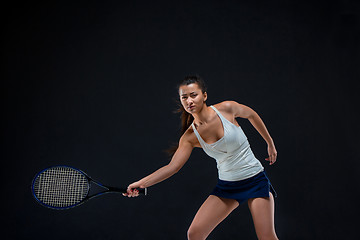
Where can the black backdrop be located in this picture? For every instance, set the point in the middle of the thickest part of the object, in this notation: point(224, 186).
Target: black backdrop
point(93, 86)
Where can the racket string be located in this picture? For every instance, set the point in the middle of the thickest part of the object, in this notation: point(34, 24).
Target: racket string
point(61, 187)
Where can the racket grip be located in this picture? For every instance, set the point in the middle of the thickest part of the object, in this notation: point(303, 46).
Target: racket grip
point(142, 191)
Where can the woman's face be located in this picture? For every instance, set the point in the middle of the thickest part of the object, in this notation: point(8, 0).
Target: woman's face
point(192, 98)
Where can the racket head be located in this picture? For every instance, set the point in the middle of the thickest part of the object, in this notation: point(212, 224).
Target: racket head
point(60, 187)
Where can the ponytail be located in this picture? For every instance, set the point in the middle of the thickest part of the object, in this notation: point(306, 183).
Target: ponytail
point(186, 120)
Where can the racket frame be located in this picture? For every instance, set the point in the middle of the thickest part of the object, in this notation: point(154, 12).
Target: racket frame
point(107, 189)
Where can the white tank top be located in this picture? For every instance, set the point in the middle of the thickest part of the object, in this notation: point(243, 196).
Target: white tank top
point(233, 155)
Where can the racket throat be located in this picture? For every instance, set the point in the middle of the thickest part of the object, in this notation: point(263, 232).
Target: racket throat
point(97, 188)
point(116, 189)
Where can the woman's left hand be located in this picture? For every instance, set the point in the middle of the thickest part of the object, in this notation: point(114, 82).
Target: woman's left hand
point(272, 154)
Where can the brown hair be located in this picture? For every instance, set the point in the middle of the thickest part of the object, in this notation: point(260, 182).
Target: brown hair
point(186, 118)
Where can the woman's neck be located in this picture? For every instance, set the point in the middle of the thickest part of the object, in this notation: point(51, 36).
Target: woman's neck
point(204, 116)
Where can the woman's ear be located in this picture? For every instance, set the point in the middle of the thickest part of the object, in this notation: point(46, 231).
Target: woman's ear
point(205, 96)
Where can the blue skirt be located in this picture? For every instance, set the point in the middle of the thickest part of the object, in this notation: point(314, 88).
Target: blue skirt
point(253, 187)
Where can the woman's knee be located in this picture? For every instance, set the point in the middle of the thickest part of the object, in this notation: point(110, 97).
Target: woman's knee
point(267, 236)
point(195, 233)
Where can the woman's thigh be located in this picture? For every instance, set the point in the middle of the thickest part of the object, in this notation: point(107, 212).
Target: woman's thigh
point(211, 213)
point(262, 211)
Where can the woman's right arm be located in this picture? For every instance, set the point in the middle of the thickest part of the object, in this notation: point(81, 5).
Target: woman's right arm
point(178, 160)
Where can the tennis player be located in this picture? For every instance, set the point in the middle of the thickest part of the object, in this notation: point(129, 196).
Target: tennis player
point(241, 176)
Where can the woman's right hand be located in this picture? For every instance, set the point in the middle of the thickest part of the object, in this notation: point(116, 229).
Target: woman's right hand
point(132, 190)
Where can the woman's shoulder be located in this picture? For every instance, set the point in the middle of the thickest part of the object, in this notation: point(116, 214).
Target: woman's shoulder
point(226, 106)
point(235, 109)
point(189, 136)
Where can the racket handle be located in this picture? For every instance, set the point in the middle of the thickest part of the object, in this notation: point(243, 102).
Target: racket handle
point(142, 191)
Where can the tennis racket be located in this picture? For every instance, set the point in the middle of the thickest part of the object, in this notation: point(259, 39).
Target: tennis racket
point(63, 187)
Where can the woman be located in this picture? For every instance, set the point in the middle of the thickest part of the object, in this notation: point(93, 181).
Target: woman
point(241, 175)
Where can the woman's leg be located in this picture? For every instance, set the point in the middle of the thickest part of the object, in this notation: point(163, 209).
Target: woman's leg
point(210, 214)
point(262, 211)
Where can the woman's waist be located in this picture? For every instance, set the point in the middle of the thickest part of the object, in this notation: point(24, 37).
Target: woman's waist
point(240, 174)
point(242, 158)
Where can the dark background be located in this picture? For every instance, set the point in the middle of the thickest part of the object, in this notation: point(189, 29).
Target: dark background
point(94, 86)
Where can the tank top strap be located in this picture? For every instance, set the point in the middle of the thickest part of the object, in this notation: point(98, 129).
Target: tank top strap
point(198, 135)
point(218, 113)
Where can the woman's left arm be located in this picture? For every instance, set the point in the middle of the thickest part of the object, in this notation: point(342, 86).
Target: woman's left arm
point(240, 110)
